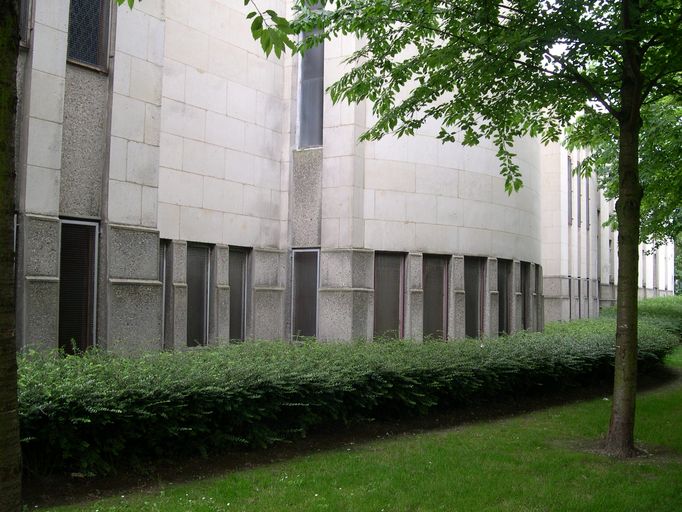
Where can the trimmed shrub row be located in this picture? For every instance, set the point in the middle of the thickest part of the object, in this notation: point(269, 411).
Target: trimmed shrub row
point(97, 412)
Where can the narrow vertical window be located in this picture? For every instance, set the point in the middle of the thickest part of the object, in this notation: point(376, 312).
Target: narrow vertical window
point(570, 191)
point(77, 285)
point(198, 268)
point(435, 283)
point(311, 99)
point(474, 295)
point(580, 199)
point(238, 272)
point(389, 279)
point(525, 294)
point(587, 204)
point(89, 32)
point(166, 284)
point(305, 286)
point(24, 20)
point(504, 294)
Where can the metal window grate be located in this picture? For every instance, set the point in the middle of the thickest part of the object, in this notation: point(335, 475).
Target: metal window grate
point(88, 32)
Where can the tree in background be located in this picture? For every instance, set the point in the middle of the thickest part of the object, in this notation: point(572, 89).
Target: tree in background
point(10, 452)
point(504, 69)
point(660, 159)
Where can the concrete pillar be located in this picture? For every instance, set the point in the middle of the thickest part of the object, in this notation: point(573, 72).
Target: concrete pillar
point(346, 299)
point(176, 296)
point(456, 303)
point(268, 275)
point(491, 305)
point(414, 298)
point(219, 315)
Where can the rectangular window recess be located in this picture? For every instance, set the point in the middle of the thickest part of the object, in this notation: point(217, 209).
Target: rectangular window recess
point(435, 285)
point(88, 39)
point(238, 279)
point(78, 285)
point(305, 286)
point(474, 295)
point(504, 287)
point(198, 279)
point(389, 293)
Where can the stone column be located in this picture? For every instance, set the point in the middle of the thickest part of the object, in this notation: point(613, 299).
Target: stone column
point(268, 275)
point(456, 302)
point(491, 318)
point(176, 296)
point(219, 315)
point(414, 298)
point(346, 299)
point(517, 302)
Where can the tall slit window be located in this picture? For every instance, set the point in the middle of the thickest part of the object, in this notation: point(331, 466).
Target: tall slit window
point(474, 295)
point(580, 199)
point(435, 283)
point(198, 278)
point(237, 276)
point(504, 275)
point(24, 20)
point(305, 286)
point(89, 32)
point(311, 100)
point(77, 285)
point(389, 279)
point(570, 191)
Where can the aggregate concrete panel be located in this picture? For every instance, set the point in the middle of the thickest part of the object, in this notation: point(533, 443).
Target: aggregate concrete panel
point(414, 298)
point(268, 313)
point(335, 315)
point(84, 145)
point(41, 299)
point(269, 268)
point(456, 315)
point(133, 253)
point(336, 268)
point(363, 269)
point(135, 317)
point(221, 265)
point(41, 245)
point(221, 322)
point(179, 261)
point(491, 304)
point(306, 197)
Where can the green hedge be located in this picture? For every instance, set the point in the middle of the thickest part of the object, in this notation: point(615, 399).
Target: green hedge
point(97, 412)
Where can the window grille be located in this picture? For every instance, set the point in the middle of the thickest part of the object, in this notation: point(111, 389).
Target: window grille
point(89, 32)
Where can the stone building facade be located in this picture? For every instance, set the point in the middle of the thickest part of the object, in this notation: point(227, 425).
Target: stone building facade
point(178, 188)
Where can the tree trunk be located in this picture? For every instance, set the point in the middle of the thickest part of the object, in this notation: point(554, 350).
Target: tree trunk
point(10, 453)
point(620, 438)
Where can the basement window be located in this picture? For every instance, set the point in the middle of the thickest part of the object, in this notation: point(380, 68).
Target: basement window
point(389, 290)
point(198, 278)
point(435, 284)
point(238, 279)
point(474, 295)
point(306, 273)
point(77, 285)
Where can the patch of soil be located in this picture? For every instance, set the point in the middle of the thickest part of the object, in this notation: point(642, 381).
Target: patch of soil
point(56, 490)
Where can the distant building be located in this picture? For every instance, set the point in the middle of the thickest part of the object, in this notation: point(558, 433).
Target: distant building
point(178, 188)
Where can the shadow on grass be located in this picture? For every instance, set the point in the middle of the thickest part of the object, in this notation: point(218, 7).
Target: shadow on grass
point(63, 489)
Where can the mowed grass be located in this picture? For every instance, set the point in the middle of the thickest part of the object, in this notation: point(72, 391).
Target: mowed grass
point(539, 461)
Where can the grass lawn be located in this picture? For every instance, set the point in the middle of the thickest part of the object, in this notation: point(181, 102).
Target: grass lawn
point(536, 461)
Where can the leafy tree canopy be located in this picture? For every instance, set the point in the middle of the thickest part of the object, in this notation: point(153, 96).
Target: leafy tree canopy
point(487, 69)
point(660, 164)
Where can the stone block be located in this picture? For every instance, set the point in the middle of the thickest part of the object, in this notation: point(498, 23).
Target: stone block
point(44, 144)
point(42, 190)
point(49, 49)
point(133, 253)
point(40, 314)
point(134, 317)
point(127, 118)
point(125, 202)
point(47, 96)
